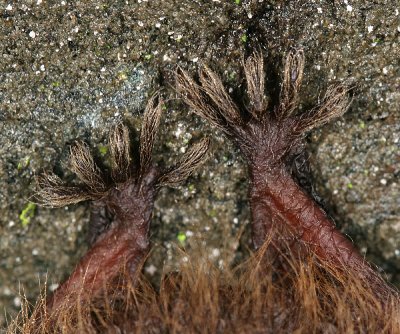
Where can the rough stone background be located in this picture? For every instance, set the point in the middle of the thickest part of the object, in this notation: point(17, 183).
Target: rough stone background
point(71, 69)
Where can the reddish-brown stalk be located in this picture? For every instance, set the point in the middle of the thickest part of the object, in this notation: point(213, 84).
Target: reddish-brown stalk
point(122, 208)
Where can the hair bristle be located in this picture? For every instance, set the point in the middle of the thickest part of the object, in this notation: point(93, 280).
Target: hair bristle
point(187, 164)
point(150, 124)
point(83, 165)
point(334, 104)
point(120, 153)
point(194, 97)
point(254, 72)
point(52, 191)
point(309, 296)
point(214, 88)
point(292, 78)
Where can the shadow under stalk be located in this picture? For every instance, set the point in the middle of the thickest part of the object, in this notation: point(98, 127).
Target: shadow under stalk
point(270, 138)
point(121, 214)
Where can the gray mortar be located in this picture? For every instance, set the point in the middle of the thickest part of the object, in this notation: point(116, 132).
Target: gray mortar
point(69, 70)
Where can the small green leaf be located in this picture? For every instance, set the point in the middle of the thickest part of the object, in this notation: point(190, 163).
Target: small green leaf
point(237, 2)
point(181, 238)
point(213, 213)
point(350, 185)
point(23, 164)
point(122, 76)
point(27, 213)
point(102, 149)
point(243, 38)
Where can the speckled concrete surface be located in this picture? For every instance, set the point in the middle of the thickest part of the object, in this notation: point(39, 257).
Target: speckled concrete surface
point(68, 70)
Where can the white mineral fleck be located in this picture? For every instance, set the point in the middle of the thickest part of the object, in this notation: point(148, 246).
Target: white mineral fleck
point(17, 302)
point(216, 252)
point(151, 269)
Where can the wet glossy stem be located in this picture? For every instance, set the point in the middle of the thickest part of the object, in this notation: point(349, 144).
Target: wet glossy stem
point(276, 198)
point(123, 247)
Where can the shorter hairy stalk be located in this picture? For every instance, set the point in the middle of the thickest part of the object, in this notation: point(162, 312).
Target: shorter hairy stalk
point(120, 221)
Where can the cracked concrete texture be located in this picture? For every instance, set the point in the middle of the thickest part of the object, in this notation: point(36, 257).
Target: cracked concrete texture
point(70, 70)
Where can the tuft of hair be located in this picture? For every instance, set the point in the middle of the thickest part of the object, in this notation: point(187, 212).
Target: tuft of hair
point(53, 192)
point(292, 78)
point(83, 165)
point(254, 72)
point(209, 99)
point(305, 295)
point(195, 97)
point(334, 104)
point(214, 88)
point(187, 164)
point(150, 124)
point(119, 143)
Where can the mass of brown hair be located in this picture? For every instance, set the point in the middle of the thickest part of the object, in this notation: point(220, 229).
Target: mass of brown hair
point(304, 276)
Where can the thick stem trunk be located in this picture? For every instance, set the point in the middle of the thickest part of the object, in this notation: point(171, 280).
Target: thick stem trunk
point(277, 199)
point(121, 248)
point(283, 212)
